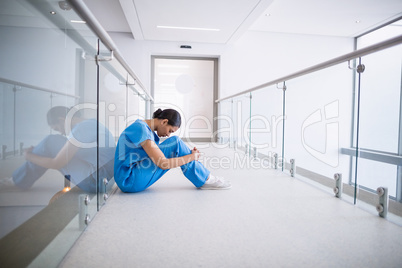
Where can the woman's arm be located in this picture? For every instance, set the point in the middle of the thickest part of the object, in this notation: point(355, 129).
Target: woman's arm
point(64, 156)
point(162, 162)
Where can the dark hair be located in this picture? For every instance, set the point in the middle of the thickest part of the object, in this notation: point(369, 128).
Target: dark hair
point(173, 117)
point(55, 113)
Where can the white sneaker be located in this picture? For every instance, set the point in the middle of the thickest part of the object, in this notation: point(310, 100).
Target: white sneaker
point(6, 182)
point(216, 183)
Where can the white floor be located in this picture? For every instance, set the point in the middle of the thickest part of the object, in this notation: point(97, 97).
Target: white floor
point(268, 219)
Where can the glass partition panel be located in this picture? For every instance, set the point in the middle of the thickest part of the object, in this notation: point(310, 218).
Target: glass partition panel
point(242, 107)
point(61, 100)
point(111, 119)
point(267, 121)
point(318, 126)
point(7, 126)
point(50, 104)
point(236, 125)
point(225, 122)
point(133, 106)
point(142, 108)
point(30, 120)
point(67, 114)
point(24, 125)
point(239, 111)
point(379, 125)
point(381, 88)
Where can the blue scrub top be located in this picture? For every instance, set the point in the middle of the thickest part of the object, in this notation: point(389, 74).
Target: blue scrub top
point(129, 149)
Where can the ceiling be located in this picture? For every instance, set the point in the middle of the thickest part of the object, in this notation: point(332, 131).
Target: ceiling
point(215, 21)
point(223, 21)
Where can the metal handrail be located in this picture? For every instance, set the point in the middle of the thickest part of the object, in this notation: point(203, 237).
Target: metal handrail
point(16, 83)
point(84, 12)
point(347, 57)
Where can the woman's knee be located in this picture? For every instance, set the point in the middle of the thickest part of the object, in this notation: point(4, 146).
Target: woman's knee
point(50, 145)
point(173, 139)
point(174, 147)
point(171, 142)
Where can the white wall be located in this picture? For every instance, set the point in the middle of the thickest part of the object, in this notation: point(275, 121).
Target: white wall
point(138, 53)
point(257, 57)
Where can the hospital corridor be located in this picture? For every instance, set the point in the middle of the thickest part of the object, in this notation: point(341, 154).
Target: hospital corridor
point(214, 133)
point(267, 219)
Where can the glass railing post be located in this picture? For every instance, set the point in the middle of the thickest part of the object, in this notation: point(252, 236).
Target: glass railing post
point(283, 124)
point(249, 138)
point(14, 117)
point(360, 70)
point(232, 131)
point(398, 194)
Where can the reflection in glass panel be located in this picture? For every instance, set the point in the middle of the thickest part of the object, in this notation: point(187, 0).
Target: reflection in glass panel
point(7, 119)
point(47, 68)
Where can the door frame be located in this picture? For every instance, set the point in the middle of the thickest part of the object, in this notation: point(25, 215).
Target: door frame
point(215, 90)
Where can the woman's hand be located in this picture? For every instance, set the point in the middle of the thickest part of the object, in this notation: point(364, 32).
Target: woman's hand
point(62, 158)
point(195, 153)
point(28, 153)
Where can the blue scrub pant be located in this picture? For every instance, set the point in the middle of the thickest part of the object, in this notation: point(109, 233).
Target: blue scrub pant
point(145, 173)
point(80, 171)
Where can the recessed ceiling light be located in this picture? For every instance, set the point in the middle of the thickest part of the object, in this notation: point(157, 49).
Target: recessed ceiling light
point(78, 21)
point(170, 74)
point(267, 15)
point(358, 21)
point(187, 28)
point(52, 12)
point(172, 66)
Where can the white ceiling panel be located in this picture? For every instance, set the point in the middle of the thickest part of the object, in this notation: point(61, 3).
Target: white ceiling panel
point(212, 21)
point(229, 18)
point(110, 14)
point(234, 17)
point(347, 18)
